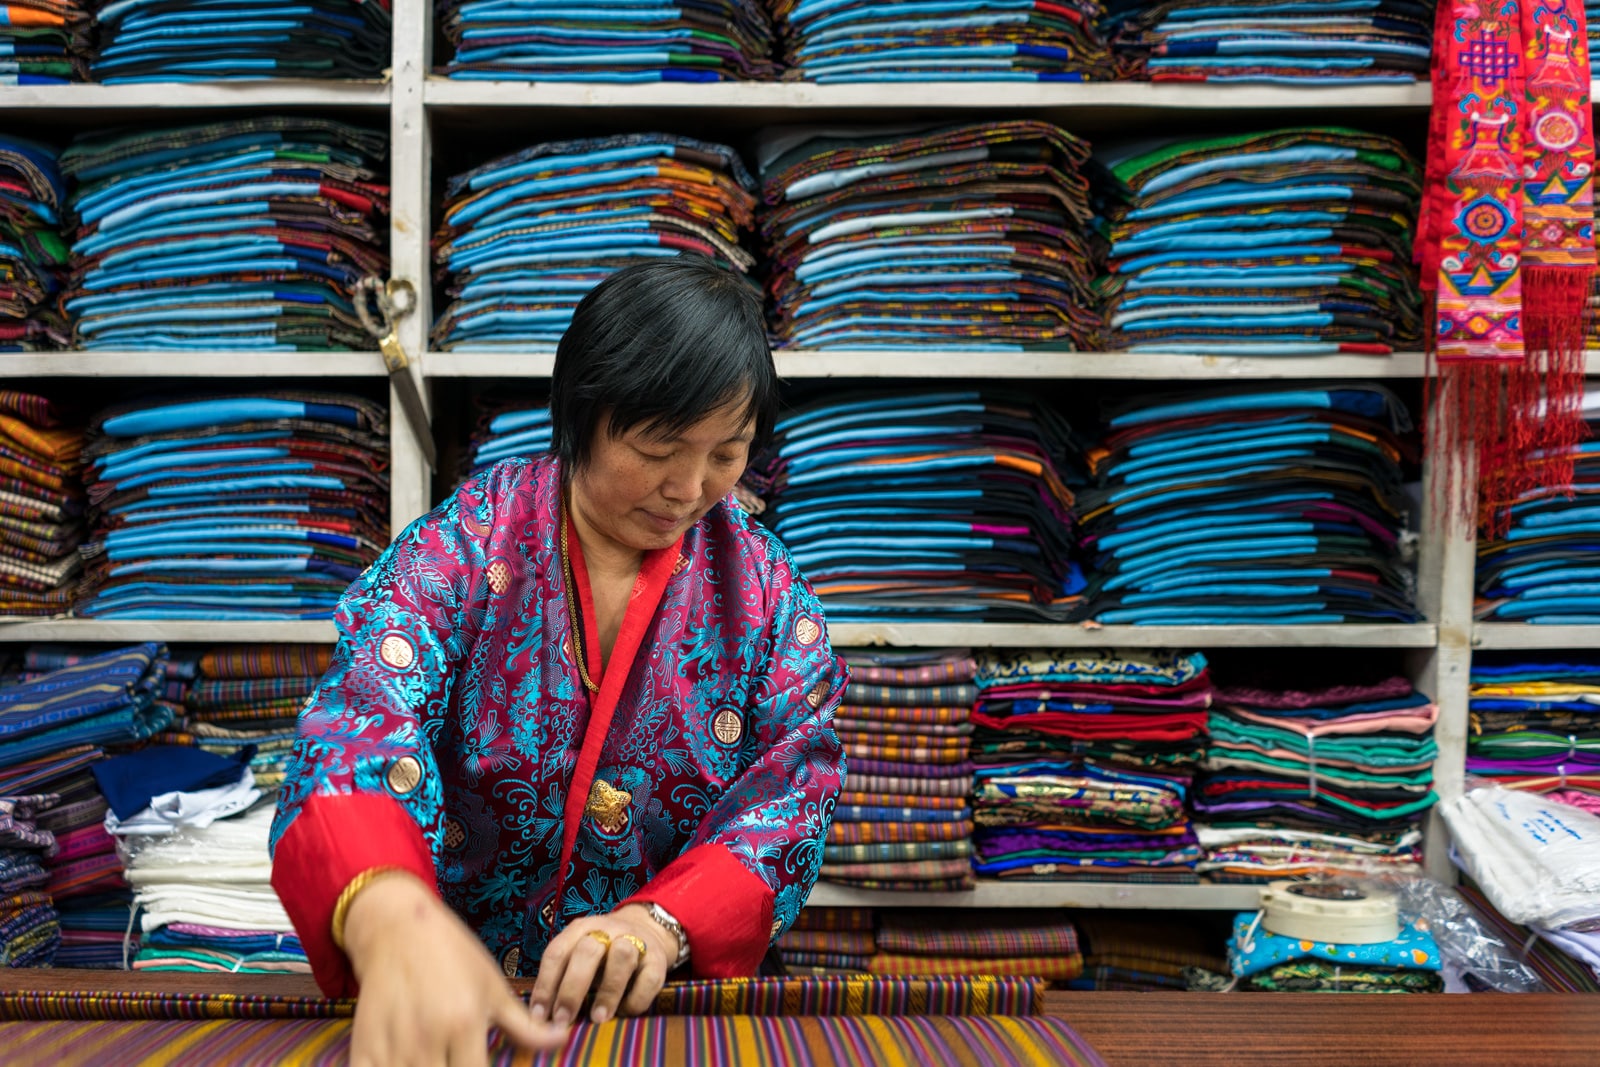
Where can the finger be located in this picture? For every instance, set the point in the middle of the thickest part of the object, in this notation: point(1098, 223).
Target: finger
point(647, 982)
point(620, 963)
point(552, 966)
point(582, 966)
point(519, 1027)
point(367, 1045)
point(468, 1048)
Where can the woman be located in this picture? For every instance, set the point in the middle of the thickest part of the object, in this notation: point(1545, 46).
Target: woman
point(482, 787)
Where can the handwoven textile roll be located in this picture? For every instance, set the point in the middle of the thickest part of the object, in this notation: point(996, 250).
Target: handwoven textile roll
point(767, 1041)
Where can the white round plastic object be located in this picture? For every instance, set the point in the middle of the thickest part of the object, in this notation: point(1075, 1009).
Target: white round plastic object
point(1330, 911)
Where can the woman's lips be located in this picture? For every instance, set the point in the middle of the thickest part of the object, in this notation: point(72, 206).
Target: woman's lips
point(664, 523)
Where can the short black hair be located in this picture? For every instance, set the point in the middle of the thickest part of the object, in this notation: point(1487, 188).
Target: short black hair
point(664, 344)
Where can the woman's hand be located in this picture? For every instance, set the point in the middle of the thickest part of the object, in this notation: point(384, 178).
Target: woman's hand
point(625, 983)
point(430, 991)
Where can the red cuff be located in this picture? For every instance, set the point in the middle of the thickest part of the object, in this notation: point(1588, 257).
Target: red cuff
point(725, 910)
point(333, 839)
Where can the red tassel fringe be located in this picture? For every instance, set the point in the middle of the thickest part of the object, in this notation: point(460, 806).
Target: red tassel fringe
point(1520, 419)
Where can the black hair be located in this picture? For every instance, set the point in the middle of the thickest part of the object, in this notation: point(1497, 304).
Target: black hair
point(662, 344)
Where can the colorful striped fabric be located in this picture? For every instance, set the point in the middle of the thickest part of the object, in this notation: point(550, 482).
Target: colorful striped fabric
point(1051, 968)
point(792, 1041)
point(991, 937)
point(267, 661)
point(863, 995)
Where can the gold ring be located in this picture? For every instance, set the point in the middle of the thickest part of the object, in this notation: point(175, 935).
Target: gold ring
point(602, 937)
point(636, 941)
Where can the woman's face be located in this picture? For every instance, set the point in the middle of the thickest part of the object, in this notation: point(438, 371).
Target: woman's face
point(641, 490)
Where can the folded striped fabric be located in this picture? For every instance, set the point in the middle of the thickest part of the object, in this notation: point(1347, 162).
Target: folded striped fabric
point(608, 42)
point(33, 253)
point(965, 237)
point(856, 920)
point(939, 506)
point(44, 42)
point(1252, 506)
point(524, 237)
point(195, 40)
point(508, 428)
point(1535, 721)
point(976, 937)
point(249, 234)
point(848, 942)
point(1288, 242)
point(1364, 42)
point(1055, 968)
point(109, 698)
point(41, 497)
point(943, 40)
point(1545, 567)
point(234, 507)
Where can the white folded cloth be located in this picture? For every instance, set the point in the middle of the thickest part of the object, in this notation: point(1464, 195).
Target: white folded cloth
point(1537, 861)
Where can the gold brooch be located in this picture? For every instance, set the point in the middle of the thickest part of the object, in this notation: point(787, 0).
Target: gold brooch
point(608, 807)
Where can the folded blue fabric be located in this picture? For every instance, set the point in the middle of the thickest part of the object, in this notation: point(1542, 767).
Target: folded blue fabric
point(129, 782)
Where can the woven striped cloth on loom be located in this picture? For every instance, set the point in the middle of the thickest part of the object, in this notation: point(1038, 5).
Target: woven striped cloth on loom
point(864, 995)
point(778, 1041)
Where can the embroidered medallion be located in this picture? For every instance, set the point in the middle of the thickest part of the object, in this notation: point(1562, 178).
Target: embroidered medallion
point(470, 523)
point(454, 835)
point(405, 774)
point(608, 807)
point(512, 961)
point(547, 914)
point(396, 652)
point(499, 575)
point(819, 693)
point(727, 727)
point(807, 630)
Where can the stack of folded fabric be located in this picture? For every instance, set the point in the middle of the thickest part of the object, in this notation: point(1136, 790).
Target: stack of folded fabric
point(1349, 760)
point(1249, 507)
point(1019, 944)
point(717, 40)
point(1288, 243)
point(829, 941)
point(1274, 963)
point(55, 719)
point(1561, 971)
point(965, 237)
point(526, 236)
point(510, 429)
point(1354, 42)
point(202, 40)
point(1062, 794)
point(262, 506)
point(44, 41)
point(1537, 863)
point(33, 253)
point(1545, 568)
point(207, 899)
point(29, 929)
point(904, 822)
point(1151, 952)
point(937, 505)
point(249, 234)
point(981, 40)
point(41, 506)
point(1535, 721)
point(248, 697)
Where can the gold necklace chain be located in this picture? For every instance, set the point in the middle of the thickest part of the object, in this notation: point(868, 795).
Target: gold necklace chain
point(574, 608)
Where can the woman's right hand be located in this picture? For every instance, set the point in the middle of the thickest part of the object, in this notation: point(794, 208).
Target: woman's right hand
point(430, 991)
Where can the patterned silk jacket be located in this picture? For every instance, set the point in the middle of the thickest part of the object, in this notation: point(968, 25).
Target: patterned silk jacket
point(454, 736)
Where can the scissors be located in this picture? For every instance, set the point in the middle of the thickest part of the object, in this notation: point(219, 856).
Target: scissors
point(381, 305)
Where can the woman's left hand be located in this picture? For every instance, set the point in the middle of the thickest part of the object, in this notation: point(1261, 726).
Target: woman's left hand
point(625, 980)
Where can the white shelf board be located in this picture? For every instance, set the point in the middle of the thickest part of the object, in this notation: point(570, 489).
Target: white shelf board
point(188, 95)
point(1049, 895)
point(1526, 635)
point(1029, 635)
point(934, 363)
point(966, 96)
point(132, 631)
point(220, 364)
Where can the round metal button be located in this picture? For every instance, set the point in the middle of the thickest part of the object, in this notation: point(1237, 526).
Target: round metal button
point(405, 774)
